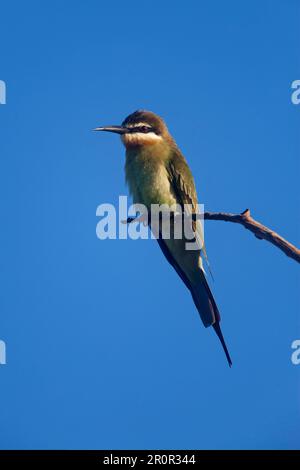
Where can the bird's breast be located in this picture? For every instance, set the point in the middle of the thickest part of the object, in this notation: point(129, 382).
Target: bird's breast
point(148, 179)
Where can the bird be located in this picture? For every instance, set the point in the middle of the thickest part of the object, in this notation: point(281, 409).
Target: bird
point(157, 173)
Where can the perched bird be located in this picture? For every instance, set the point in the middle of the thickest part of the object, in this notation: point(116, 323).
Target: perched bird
point(157, 173)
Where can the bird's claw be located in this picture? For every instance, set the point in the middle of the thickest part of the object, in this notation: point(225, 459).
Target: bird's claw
point(143, 218)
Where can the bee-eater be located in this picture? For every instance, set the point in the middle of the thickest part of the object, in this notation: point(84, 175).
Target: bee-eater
point(157, 173)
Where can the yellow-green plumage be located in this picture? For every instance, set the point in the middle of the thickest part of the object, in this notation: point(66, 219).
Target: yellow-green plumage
point(146, 175)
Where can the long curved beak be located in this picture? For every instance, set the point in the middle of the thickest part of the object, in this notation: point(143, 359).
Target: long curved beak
point(116, 129)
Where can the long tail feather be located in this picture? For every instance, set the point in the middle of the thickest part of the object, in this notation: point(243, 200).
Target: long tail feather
point(202, 296)
point(208, 310)
point(217, 328)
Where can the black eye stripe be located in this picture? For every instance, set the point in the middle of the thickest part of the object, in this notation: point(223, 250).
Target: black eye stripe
point(143, 129)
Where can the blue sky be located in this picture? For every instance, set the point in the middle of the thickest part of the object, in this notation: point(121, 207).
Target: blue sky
point(104, 346)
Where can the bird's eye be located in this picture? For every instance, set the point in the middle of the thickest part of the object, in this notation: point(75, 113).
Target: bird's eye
point(145, 129)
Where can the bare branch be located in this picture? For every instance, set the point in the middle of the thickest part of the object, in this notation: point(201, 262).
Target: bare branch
point(260, 231)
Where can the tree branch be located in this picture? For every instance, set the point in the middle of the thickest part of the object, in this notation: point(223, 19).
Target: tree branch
point(260, 231)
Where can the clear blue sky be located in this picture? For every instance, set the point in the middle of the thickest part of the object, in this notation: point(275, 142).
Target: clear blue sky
point(105, 348)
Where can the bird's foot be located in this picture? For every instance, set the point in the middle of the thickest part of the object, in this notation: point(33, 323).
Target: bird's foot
point(128, 221)
point(143, 218)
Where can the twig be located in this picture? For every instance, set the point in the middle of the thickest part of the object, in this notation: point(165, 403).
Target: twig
point(260, 231)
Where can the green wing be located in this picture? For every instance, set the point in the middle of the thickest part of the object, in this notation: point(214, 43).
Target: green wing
point(183, 187)
point(182, 181)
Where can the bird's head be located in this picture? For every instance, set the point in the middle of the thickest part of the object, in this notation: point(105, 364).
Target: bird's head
point(140, 128)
